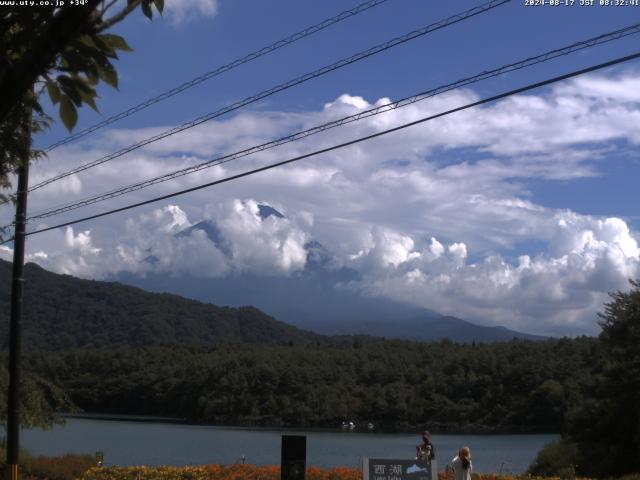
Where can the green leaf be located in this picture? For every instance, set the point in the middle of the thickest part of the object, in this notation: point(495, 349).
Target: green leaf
point(89, 99)
point(146, 9)
point(116, 42)
point(38, 109)
point(72, 59)
point(93, 76)
point(104, 47)
point(88, 41)
point(159, 5)
point(90, 53)
point(54, 91)
point(81, 84)
point(109, 75)
point(70, 89)
point(68, 113)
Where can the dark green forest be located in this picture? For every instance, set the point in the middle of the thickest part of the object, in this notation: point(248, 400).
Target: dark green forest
point(117, 349)
point(512, 386)
point(62, 312)
point(107, 348)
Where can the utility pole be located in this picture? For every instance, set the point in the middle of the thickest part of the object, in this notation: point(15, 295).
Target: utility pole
point(13, 405)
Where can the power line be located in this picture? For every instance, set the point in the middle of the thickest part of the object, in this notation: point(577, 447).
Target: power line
point(222, 69)
point(349, 143)
point(284, 86)
point(594, 41)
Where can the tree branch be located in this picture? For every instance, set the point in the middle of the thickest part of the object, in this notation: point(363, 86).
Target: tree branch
point(65, 27)
point(118, 17)
point(111, 4)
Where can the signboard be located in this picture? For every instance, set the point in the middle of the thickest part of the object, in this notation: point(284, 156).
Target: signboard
point(398, 469)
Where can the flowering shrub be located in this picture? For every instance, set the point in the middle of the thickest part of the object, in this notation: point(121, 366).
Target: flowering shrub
point(335, 473)
point(67, 467)
point(143, 473)
point(80, 467)
point(215, 472)
point(252, 472)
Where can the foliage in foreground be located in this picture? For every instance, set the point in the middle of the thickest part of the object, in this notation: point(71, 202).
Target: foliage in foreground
point(64, 52)
point(215, 472)
point(251, 472)
point(606, 427)
point(556, 459)
point(41, 401)
point(81, 467)
point(602, 434)
point(67, 467)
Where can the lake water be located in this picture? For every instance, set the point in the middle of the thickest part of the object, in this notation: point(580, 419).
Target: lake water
point(156, 443)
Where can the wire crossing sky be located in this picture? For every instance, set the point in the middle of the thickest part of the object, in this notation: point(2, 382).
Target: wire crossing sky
point(220, 70)
point(528, 62)
point(284, 86)
point(346, 144)
point(519, 212)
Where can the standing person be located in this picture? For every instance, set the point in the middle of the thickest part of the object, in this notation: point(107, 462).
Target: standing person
point(461, 464)
point(426, 450)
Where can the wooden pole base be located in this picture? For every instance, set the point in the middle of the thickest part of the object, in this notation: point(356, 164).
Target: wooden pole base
point(13, 471)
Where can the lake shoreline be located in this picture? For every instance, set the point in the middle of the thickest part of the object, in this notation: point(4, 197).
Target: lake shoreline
point(152, 442)
point(433, 428)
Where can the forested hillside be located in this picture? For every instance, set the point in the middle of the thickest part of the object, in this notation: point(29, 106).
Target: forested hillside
point(163, 355)
point(511, 386)
point(62, 312)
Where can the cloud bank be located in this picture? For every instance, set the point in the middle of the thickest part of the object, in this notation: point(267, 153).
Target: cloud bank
point(438, 215)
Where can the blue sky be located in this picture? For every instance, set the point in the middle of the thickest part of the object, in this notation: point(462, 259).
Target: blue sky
point(168, 53)
point(522, 213)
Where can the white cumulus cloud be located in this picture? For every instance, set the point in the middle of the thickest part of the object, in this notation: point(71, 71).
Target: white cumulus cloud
point(438, 214)
point(558, 292)
point(184, 11)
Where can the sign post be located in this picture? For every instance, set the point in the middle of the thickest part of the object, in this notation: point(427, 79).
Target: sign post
point(398, 469)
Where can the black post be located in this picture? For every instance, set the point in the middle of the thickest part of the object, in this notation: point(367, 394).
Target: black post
point(293, 457)
point(13, 412)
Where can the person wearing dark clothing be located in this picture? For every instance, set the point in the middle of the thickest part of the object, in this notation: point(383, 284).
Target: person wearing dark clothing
point(426, 450)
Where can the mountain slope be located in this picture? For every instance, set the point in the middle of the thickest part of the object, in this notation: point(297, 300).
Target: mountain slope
point(312, 302)
point(62, 312)
point(322, 297)
point(425, 329)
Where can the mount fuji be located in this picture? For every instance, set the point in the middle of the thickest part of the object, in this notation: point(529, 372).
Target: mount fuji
point(318, 298)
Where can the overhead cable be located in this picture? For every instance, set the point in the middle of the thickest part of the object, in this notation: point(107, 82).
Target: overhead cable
point(222, 69)
point(346, 144)
point(283, 86)
point(547, 56)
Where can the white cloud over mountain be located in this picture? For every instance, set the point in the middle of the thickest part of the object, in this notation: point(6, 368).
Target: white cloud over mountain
point(554, 292)
point(162, 242)
point(558, 291)
point(438, 215)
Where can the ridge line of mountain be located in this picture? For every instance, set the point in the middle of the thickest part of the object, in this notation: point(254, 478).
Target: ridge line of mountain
point(63, 312)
